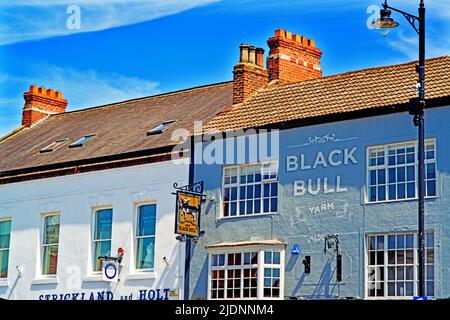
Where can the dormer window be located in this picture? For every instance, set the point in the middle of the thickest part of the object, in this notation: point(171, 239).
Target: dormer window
point(54, 145)
point(160, 128)
point(82, 141)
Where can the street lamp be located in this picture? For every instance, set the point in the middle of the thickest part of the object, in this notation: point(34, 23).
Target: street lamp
point(417, 108)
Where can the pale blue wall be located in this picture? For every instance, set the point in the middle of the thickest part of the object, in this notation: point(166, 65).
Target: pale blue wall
point(351, 220)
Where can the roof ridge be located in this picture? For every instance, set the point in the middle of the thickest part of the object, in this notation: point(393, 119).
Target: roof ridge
point(165, 94)
point(358, 71)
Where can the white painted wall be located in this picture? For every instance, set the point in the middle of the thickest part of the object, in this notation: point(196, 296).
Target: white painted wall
point(75, 197)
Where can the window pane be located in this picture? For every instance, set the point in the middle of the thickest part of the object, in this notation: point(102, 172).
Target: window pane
point(146, 252)
point(381, 177)
point(430, 171)
point(102, 248)
point(409, 241)
point(430, 272)
point(380, 242)
point(381, 193)
point(147, 220)
point(391, 242)
point(273, 205)
point(411, 190)
point(400, 241)
point(371, 243)
point(4, 255)
point(391, 289)
point(372, 178)
point(431, 188)
point(103, 224)
point(430, 288)
point(268, 257)
point(411, 173)
point(429, 240)
point(5, 233)
point(276, 258)
point(51, 229)
point(50, 260)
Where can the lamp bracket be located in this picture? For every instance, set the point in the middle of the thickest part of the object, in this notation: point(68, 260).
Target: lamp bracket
point(412, 19)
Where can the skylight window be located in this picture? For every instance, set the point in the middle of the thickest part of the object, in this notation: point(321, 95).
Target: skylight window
point(82, 141)
point(160, 128)
point(54, 145)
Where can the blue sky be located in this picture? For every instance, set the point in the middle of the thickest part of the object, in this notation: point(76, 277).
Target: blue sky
point(129, 49)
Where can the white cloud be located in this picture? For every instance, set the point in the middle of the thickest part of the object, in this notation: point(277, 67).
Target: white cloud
point(89, 88)
point(82, 88)
point(23, 20)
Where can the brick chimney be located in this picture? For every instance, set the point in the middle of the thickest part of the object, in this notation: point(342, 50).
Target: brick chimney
point(292, 58)
point(40, 103)
point(249, 74)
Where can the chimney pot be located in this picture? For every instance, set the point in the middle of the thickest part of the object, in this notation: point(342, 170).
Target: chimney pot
point(51, 93)
point(279, 33)
point(244, 53)
point(260, 57)
point(252, 55)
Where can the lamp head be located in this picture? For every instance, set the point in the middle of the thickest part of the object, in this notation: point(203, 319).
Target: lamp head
point(385, 23)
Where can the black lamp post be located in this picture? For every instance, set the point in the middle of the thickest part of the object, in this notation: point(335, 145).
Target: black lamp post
point(417, 110)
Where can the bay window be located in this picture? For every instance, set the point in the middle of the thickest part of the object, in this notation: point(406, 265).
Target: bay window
point(392, 265)
point(248, 274)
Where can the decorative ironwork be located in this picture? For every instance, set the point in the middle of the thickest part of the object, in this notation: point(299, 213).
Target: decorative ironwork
point(412, 19)
point(196, 187)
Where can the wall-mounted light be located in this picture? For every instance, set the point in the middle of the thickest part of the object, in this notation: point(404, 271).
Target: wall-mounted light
point(19, 271)
point(307, 264)
point(166, 261)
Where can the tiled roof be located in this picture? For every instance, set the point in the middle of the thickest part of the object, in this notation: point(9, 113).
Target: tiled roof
point(348, 92)
point(121, 128)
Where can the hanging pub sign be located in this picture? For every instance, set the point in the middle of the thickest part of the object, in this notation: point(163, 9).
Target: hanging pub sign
point(188, 207)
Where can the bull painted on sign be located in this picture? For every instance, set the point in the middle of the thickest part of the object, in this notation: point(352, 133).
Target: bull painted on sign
point(188, 212)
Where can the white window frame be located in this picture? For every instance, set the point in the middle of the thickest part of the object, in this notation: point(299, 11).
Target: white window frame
point(386, 167)
point(136, 238)
point(385, 265)
point(238, 185)
point(260, 269)
point(93, 241)
point(4, 219)
point(40, 266)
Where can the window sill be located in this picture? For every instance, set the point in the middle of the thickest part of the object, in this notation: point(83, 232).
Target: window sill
point(38, 281)
point(399, 200)
point(141, 275)
point(248, 216)
point(4, 283)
